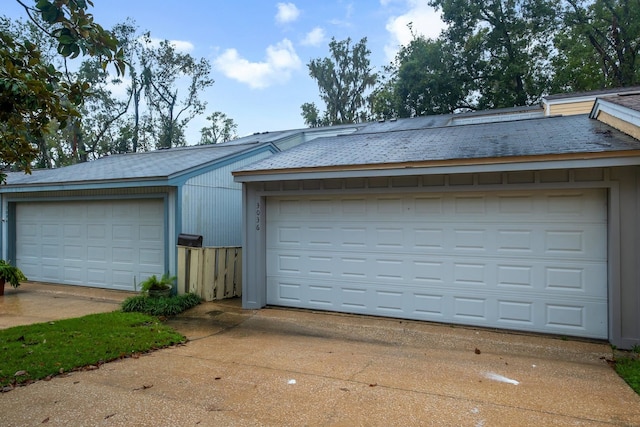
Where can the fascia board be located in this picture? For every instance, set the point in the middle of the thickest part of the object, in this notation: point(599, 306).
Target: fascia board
point(571, 100)
point(436, 170)
point(98, 185)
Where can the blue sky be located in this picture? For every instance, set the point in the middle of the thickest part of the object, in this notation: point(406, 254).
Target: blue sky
point(259, 48)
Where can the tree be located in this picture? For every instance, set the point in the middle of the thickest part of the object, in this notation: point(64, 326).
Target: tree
point(131, 46)
point(311, 115)
point(343, 81)
point(33, 94)
point(507, 45)
point(599, 45)
point(426, 77)
point(221, 129)
point(162, 67)
point(93, 132)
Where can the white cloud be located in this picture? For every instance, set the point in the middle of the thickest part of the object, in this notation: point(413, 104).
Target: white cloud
point(425, 20)
point(287, 12)
point(179, 45)
point(280, 62)
point(315, 37)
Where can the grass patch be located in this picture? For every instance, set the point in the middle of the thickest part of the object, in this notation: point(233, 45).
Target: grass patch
point(160, 306)
point(627, 365)
point(42, 350)
point(629, 369)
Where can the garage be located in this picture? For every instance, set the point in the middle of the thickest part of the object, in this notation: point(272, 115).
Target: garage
point(114, 221)
point(523, 260)
point(106, 243)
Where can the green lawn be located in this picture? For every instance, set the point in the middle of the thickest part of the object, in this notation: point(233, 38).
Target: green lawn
point(42, 350)
point(629, 370)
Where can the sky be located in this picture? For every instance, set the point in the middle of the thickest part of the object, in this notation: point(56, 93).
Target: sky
point(259, 49)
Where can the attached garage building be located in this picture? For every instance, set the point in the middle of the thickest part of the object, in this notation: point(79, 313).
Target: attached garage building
point(526, 225)
point(115, 221)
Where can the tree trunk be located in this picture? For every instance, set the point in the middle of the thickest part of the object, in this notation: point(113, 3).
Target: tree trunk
point(2, 287)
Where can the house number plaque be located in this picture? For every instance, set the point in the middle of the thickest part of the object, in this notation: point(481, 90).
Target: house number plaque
point(258, 212)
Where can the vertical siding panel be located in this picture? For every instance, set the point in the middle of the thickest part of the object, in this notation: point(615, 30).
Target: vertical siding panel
point(212, 205)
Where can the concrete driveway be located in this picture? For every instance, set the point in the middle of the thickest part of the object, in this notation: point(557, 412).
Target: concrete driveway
point(278, 367)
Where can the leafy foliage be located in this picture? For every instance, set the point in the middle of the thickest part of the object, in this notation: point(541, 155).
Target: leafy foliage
point(425, 78)
point(599, 45)
point(161, 306)
point(343, 80)
point(11, 274)
point(153, 283)
point(505, 46)
point(504, 53)
point(33, 93)
point(53, 114)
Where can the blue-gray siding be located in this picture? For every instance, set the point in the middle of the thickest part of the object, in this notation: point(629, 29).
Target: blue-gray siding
point(212, 204)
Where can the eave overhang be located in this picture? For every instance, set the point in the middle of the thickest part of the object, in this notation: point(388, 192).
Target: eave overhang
point(452, 166)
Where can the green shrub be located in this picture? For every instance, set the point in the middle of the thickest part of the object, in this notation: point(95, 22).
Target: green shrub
point(153, 283)
point(161, 306)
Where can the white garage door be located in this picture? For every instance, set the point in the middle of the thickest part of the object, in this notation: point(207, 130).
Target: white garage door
point(97, 243)
point(534, 261)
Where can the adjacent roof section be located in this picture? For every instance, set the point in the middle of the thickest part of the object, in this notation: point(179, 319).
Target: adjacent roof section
point(630, 101)
point(594, 93)
point(160, 164)
point(621, 112)
point(581, 102)
point(306, 134)
point(516, 141)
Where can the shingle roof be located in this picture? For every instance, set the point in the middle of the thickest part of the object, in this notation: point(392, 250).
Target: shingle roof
point(132, 166)
point(275, 136)
point(629, 101)
point(594, 93)
point(440, 120)
point(534, 137)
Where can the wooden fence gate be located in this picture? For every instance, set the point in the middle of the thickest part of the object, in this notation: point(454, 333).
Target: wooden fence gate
point(211, 273)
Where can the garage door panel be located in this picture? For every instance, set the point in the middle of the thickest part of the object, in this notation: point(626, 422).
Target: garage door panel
point(538, 240)
point(95, 243)
point(97, 277)
point(50, 231)
point(97, 253)
point(542, 276)
point(515, 312)
point(148, 210)
point(150, 233)
point(46, 272)
point(150, 257)
point(74, 275)
point(525, 260)
point(123, 278)
point(123, 233)
point(96, 231)
point(122, 255)
point(494, 309)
